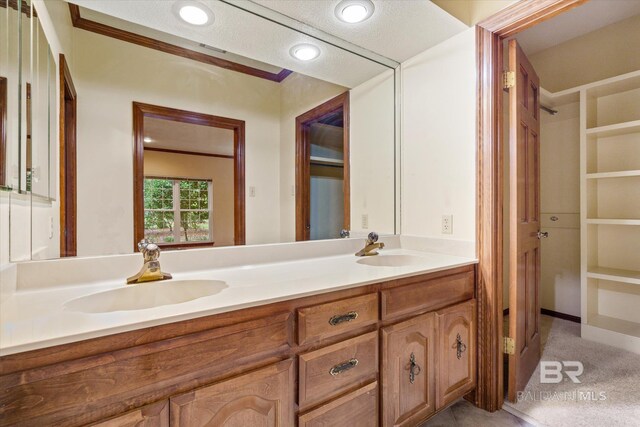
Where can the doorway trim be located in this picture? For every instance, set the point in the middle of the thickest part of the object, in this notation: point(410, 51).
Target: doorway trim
point(68, 161)
point(140, 111)
point(490, 33)
point(303, 156)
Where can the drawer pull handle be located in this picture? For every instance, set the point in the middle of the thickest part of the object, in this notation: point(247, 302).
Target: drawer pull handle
point(341, 318)
point(414, 368)
point(460, 347)
point(343, 367)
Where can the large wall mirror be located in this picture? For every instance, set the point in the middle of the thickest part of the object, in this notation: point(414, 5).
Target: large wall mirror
point(134, 123)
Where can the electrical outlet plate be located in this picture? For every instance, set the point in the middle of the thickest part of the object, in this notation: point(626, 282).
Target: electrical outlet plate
point(252, 191)
point(447, 224)
point(365, 221)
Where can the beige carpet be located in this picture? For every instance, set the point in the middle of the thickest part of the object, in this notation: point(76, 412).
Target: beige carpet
point(608, 370)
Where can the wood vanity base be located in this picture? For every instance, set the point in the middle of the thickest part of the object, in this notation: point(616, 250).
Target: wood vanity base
point(387, 354)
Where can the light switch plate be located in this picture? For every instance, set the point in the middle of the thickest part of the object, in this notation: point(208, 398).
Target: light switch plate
point(252, 191)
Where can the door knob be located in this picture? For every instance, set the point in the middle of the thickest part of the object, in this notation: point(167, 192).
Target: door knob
point(543, 234)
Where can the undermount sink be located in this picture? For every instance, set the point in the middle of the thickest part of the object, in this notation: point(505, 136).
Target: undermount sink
point(145, 295)
point(392, 260)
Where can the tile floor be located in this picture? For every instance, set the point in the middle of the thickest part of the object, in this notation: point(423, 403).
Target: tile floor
point(464, 414)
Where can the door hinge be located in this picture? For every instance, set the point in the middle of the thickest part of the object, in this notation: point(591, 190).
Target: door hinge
point(508, 79)
point(509, 346)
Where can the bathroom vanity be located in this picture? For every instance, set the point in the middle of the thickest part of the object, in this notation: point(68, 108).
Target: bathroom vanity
point(393, 352)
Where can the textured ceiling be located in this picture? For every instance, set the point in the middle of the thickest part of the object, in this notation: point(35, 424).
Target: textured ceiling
point(188, 137)
point(102, 18)
point(245, 34)
point(581, 20)
point(399, 29)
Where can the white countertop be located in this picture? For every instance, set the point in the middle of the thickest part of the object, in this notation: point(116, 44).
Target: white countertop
point(33, 319)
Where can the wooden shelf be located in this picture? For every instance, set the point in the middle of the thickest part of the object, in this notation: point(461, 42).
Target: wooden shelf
point(614, 130)
point(618, 174)
point(617, 325)
point(326, 161)
point(603, 221)
point(614, 274)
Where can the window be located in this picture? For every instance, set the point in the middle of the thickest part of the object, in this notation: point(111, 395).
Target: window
point(178, 210)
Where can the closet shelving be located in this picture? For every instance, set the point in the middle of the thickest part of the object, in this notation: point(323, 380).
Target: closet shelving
point(610, 210)
point(609, 207)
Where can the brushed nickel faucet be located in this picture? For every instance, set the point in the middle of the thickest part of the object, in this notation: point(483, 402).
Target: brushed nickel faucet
point(370, 246)
point(150, 270)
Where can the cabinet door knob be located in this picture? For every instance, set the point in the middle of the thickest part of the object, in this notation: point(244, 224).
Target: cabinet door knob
point(543, 234)
point(343, 367)
point(414, 368)
point(459, 346)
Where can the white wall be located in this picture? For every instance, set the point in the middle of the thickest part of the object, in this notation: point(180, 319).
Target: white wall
point(372, 161)
point(560, 198)
point(600, 54)
point(439, 139)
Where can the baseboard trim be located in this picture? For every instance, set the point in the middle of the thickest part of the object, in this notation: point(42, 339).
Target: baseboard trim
point(564, 316)
point(552, 313)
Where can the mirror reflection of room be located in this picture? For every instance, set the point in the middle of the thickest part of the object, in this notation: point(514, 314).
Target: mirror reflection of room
point(203, 179)
point(188, 184)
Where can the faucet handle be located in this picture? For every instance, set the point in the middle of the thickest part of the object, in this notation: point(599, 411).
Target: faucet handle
point(372, 237)
point(142, 244)
point(149, 250)
point(345, 233)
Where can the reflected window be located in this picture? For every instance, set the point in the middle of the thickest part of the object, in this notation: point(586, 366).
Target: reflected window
point(178, 210)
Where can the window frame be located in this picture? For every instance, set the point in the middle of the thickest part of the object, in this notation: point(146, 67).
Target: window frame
point(176, 210)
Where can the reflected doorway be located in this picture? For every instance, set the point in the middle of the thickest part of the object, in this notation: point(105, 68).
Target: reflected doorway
point(322, 170)
point(68, 163)
point(188, 178)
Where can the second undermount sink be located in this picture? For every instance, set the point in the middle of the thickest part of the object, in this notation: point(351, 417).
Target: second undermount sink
point(392, 260)
point(145, 295)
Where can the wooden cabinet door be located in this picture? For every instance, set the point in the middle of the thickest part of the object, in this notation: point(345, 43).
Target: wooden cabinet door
point(264, 397)
point(456, 352)
point(154, 415)
point(408, 371)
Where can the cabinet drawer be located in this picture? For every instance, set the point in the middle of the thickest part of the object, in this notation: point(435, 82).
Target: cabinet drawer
point(334, 318)
point(356, 409)
point(456, 352)
point(332, 370)
point(426, 294)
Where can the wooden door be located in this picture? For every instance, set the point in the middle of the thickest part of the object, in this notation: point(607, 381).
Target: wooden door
point(456, 352)
point(524, 217)
point(154, 415)
point(262, 398)
point(408, 371)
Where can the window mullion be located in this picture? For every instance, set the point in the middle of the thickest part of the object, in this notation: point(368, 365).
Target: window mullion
point(176, 211)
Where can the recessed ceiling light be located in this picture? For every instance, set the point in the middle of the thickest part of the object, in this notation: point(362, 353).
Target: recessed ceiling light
point(147, 139)
point(193, 13)
point(305, 52)
point(354, 11)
